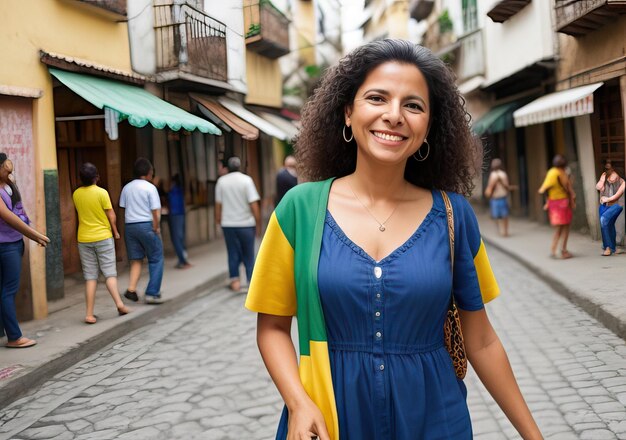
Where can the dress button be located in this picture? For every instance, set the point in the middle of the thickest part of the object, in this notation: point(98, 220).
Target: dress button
point(378, 334)
point(378, 295)
point(378, 272)
point(377, 314)
point(381, 367)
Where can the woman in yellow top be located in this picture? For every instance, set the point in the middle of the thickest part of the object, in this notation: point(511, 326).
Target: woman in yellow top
point(561, 203)
point(96, 229)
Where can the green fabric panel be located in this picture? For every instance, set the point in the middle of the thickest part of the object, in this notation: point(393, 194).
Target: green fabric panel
point(499, 118)
point(307, 203)
point(54, 250)
point(135, 104)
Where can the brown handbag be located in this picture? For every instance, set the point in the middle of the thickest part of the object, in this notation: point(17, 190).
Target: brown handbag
point(452, 334)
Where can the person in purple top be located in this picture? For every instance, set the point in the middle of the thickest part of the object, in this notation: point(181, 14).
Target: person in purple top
point(14, 224)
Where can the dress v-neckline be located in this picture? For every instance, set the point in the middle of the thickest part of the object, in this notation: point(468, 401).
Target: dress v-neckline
point(394, 253)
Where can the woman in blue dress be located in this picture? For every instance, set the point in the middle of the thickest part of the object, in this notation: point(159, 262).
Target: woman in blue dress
point(361, 256)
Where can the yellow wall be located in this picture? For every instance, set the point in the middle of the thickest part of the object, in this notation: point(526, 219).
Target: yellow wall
point(389, 21)
point(304, 18)
point(27, 26)
point(265, 81)
point(597, 48)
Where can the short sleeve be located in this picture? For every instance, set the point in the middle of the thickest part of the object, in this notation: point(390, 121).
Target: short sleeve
point(272, 289)
point(105, 200)
point(153, 198)
point(252, 193)
point(218, 191)
point(122, 201)
point(474, 281)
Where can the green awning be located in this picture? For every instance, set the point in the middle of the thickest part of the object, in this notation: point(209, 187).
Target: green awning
point(134, 104)
point(499, 118)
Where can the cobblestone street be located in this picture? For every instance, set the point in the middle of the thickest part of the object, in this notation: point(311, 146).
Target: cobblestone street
point(198, 375)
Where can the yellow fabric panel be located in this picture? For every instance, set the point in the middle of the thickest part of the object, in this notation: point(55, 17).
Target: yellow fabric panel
point(486, 280)
point(553, 186)
point(318, 383)
point(272, 288)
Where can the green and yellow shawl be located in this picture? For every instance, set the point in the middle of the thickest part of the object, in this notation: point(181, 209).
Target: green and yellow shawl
point(284, 283)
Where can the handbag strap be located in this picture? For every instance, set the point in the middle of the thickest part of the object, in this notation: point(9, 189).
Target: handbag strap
point(450, 217)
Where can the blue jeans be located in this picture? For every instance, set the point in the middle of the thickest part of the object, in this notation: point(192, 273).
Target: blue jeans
point(10, 270)
point(240, 247)
point(142, 241)
point(608, 216)
point(177, 234)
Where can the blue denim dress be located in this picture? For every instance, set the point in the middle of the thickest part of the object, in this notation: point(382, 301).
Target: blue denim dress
point(392, 375)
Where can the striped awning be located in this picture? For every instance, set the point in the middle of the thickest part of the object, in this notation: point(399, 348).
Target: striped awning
point(559, 105)
point(225, 116)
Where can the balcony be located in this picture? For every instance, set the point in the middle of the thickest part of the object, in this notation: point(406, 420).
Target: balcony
point(190, 41)
point(505, 9)
point(420, 9)
point(472, 59)
point(114, 9)
point(580, 17)
point(267, 29)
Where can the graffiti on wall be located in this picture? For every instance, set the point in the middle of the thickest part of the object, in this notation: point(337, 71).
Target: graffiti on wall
point(16, 140)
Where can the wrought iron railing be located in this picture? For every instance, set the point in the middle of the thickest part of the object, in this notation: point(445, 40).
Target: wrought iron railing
point(189, 40)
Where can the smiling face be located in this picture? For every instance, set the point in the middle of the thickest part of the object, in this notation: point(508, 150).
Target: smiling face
point(390, 113)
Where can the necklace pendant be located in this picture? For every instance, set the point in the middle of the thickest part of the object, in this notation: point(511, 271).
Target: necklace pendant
point(382, 228)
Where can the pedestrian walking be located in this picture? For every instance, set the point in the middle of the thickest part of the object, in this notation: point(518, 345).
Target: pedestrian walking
point(370, 254)
point(497, 191)
point(286, 178)
point(611, 187)
point(97, 228)
point(560, 204)
point(14, 224)
point(176, 219)
point(142, 232)
point(238, 212)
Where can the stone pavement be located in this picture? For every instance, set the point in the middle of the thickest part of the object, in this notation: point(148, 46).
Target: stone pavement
point(595, 283)
point(197, 374)
point(64, 339)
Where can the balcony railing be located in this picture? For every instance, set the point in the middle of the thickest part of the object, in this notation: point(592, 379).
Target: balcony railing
point(190, 41)
point(114, 8)
point(267, 29)
point(472, 60)
point(420, 9)
point(579, 17)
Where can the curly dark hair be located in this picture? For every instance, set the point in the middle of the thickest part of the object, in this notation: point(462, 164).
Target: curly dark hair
point(455, 155)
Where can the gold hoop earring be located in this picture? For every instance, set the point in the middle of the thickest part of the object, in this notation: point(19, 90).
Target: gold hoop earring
point(421, 158)
point(345, 138)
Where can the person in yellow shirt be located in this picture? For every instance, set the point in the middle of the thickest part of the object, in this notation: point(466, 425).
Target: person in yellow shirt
point(560, 205)
point(96, 229)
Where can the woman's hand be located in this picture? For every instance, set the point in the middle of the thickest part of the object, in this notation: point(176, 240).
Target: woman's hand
point(603, 200)
point(305, 422)
point(42, 240)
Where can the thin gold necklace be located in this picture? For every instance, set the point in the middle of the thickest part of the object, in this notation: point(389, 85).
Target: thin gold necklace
point(381, 226)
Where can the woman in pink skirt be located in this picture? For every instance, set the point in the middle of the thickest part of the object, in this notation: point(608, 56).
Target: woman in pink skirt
point(561, 203)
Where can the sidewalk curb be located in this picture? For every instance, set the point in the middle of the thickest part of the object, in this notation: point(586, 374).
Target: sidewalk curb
point(23, 384)
point(610, 321)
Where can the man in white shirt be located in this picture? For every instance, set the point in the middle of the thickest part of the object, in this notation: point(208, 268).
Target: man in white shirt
point(142, 234)
point(238, 212)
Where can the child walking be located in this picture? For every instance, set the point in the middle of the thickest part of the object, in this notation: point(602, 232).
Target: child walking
point(96, 229)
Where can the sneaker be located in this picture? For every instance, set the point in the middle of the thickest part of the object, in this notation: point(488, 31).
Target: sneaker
point(131, 295)
point(153, 299)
